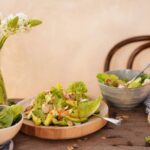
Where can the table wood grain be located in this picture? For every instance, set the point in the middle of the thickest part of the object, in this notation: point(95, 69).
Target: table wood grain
point(129, 136)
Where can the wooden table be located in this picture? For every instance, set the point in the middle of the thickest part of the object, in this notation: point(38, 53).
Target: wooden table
point(129, 136)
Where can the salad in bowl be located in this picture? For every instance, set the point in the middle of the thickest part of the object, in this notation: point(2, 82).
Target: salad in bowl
point(114, 80)
point(11, 120)
point(119, 88)
point(62, 107)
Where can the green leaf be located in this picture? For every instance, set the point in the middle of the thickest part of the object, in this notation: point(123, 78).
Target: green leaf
point(71, 103)
point(57, 91)
point(3, 96)
point(2, 41)
point(77, 120)
point(34, 22)
point(147, 139)
point(14, 22)
point(59, 122)
point(16, 110)
point(86, 108)
point(79, 89)
point(38, 113)
point(102, 77)
point(136, 83)
point(59, 103)
point(39, 100)
point(9, 114)
point(6, 118)
point(145, 76)
point(108, 79)
point(36, 120)
point(48, 119)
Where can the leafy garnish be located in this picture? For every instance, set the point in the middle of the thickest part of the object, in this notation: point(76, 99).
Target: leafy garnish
point(79, 89)
point(114, 80)
point(57, 91)
point(136, 83)
point(38, 113)
point(147, 140)
point(39, 100)
point(9, 115)
point(59, 103)
point(108, 79)
point(86, 108)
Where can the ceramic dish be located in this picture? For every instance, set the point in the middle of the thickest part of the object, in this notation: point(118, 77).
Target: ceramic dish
point(8, 133)
point(124, 98)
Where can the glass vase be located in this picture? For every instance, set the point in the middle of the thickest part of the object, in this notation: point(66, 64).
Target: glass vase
point(3, 96)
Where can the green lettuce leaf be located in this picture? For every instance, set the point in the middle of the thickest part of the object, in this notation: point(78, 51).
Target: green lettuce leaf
point(79, 89)
point(108, 79)
point(86, 108)
point(39, 114)
point(39, 100)
point(6, 118)
point(16, 110)
point(145, 76)
point(136, 83)
point(59, 103)
point(9, 114)
point(57, 91)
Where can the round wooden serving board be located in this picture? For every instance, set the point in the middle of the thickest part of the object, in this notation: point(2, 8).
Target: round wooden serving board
point(60, 133)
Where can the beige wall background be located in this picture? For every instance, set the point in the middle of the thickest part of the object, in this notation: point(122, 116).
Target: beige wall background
point(72, 42)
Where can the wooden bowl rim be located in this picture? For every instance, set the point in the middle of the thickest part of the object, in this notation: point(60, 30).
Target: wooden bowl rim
point(90, 121)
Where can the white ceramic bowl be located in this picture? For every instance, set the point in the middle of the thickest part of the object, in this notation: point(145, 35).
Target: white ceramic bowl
point(7, 134)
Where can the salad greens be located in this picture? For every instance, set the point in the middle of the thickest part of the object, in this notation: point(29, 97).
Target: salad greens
point(9, 115)
point(86, 108)
point(147, 140)
point(79, 89)
point(114, 81)
point(63, 107)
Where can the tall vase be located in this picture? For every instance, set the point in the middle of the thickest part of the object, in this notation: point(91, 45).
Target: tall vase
point(3, 95)
point(9, 26)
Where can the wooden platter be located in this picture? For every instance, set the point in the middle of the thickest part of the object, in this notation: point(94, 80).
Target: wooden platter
point(60, 133)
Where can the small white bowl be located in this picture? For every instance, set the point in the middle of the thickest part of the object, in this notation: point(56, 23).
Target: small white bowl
point(8, 133)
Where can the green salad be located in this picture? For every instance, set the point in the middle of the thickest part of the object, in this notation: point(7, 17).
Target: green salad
point(114, 80)
point(63, 107)
point(9, 115)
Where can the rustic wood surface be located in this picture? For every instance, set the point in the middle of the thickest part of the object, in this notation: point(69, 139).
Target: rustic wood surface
point(129, 136)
